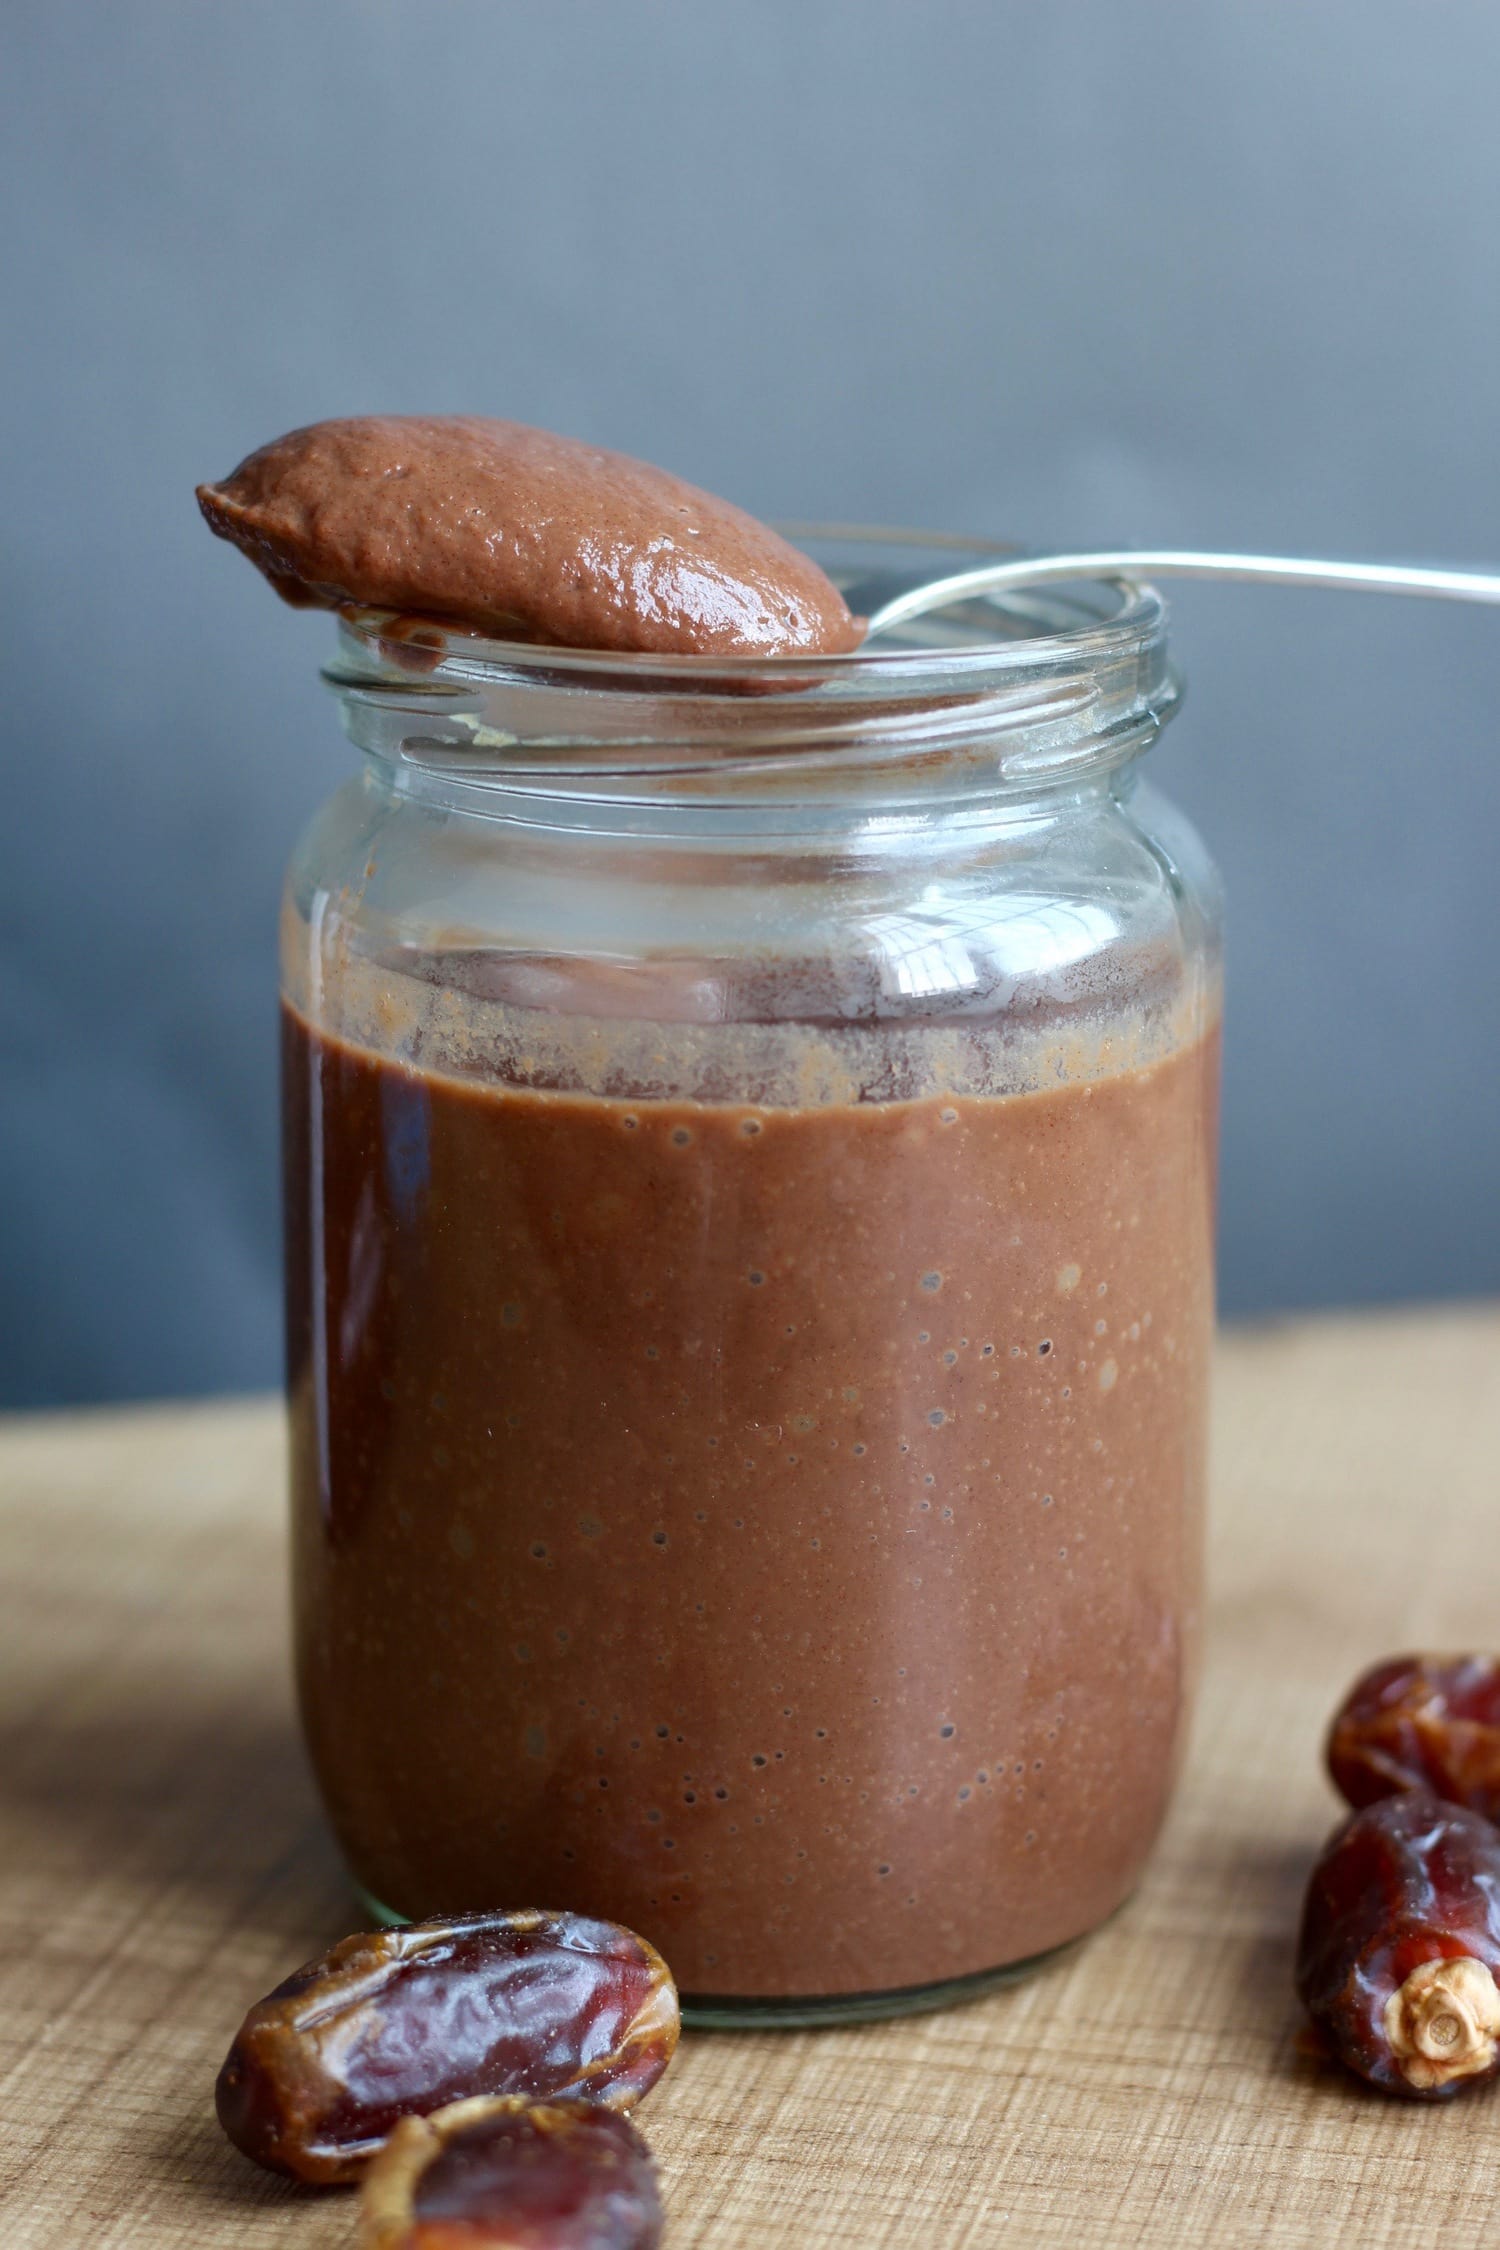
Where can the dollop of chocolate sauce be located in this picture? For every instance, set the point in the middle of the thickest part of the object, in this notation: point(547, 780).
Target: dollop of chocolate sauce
point(519, 534)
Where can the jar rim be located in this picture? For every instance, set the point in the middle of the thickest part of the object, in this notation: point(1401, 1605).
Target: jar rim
point(1009, 686)
point(426, 646)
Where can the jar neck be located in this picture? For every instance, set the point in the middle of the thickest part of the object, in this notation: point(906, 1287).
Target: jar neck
point(989, 716)
point(846, 827)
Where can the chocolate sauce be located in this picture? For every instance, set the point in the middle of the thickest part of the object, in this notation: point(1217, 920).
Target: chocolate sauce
point(776, 1529)
point(517, 533)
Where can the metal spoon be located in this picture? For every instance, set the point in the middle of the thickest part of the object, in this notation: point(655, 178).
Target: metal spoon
point(1167, 562)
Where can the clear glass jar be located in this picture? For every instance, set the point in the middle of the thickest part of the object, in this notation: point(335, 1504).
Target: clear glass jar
point(749, 1158)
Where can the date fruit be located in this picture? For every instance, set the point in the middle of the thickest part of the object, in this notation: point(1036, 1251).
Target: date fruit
point(1421, 1722)
point(401, 2022)
point(1400, 1945)
point(513, 2175)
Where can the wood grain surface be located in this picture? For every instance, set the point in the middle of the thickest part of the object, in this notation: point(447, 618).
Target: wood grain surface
point(162, 1861)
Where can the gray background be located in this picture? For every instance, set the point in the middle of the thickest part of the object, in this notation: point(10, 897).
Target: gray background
point(1061, 272)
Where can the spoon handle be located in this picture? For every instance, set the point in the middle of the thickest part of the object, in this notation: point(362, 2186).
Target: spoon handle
point(1173, 562)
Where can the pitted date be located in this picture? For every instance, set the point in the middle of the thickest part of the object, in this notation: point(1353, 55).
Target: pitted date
point(1421, 1722)
point(403, 2022)
point(513, 2175)
point(1400, 1945)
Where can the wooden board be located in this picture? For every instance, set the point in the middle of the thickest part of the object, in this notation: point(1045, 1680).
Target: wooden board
point(162, 1861)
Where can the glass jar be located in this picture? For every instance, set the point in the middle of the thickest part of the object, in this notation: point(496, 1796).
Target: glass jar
point(749, 1136)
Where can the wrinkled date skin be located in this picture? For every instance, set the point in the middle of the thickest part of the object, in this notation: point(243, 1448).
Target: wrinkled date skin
point(1400, 1945)
point(513, 2175)
point(402, 2022)
point(1421, 1722)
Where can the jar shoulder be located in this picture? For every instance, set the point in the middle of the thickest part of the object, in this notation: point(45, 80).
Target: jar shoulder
point(398, 915)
